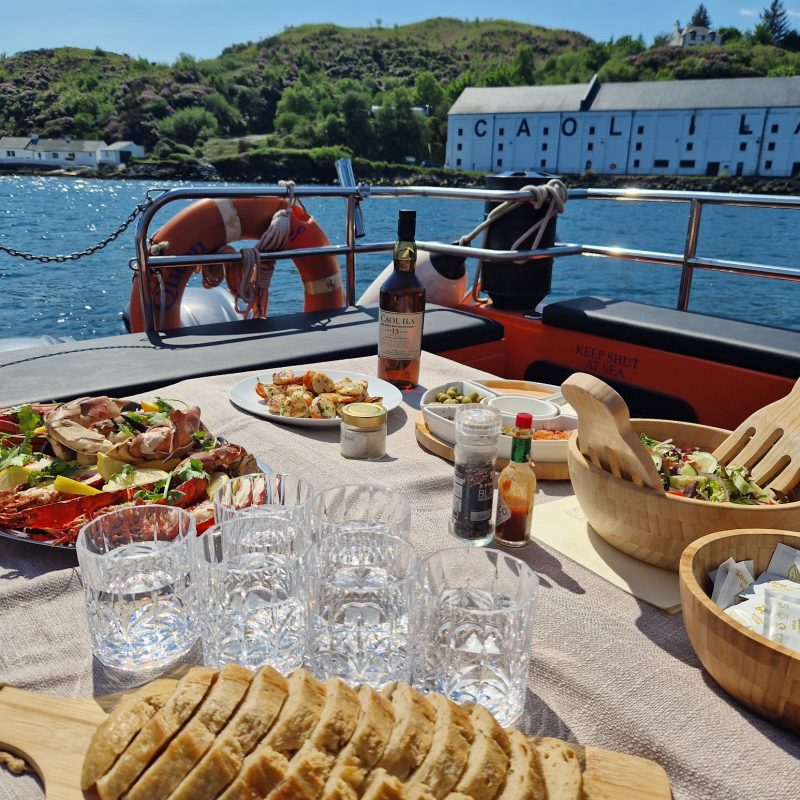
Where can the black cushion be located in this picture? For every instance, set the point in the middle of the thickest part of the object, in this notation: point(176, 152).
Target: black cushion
point(137, 362)
point(762, 348)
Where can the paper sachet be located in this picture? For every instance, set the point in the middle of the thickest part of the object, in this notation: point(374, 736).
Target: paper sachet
point(781, 617)
point(770, 579)
point(732, 578)
point(785, 562)
point(712, 576)
point(750, 614)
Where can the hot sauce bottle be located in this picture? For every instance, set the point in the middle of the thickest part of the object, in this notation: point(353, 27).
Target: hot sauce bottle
point(516, 489)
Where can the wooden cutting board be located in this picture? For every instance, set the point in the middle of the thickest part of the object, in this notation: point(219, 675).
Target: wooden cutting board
point(53, 733)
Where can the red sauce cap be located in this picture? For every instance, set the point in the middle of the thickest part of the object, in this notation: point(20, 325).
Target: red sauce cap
point(523, 420)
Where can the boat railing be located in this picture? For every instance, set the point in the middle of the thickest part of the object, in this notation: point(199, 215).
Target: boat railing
point(355, 195)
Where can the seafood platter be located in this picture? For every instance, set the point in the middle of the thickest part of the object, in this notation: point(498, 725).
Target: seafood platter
point(62, 464)
point(313, 398)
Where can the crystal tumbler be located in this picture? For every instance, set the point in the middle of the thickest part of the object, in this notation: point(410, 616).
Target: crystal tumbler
point(358, 596)
point(136, 569)
point(473, 628)
point(260, 489)
point(253, 611)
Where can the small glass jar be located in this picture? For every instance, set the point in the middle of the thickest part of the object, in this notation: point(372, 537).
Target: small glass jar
point(363, 431)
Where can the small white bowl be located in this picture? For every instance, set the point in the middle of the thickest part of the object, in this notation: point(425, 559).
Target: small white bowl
point(512, 404)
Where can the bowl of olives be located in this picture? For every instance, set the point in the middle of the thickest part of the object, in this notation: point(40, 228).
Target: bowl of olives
point(455, 393)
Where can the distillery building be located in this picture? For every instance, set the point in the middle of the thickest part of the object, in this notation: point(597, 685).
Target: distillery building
point(736, 126)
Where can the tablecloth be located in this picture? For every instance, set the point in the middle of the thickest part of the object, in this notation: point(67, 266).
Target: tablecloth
point(606, 670)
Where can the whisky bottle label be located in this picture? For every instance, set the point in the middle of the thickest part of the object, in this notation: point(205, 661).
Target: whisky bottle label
point(400, 334)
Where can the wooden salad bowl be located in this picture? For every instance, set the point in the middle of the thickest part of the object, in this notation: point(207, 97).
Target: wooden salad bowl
point(620, 490)
point(759, 673)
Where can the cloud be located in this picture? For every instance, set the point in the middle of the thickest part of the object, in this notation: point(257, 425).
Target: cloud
point(747, 12)
point(793, 13)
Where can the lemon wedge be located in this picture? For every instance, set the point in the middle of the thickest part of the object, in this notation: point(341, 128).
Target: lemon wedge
point(11, 477)
point(215, 480)
point(147, 407)
point(69, 486)
point(137, 477)
point(108, 466)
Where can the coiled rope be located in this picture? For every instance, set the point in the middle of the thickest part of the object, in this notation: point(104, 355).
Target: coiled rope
point(553, 193)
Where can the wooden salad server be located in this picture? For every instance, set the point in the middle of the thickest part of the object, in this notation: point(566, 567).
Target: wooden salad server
point(605, 435)
point(768, 444)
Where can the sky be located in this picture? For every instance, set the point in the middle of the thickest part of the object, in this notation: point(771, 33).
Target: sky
point(160, 30)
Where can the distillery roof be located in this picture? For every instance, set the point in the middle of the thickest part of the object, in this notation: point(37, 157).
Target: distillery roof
point(643, 95)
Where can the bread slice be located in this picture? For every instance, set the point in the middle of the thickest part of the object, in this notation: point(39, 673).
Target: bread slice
point(414, 719)
point(197, 735)
point(483, 721)
point(365, 747)
point(383, 785)
point(443, 766)
point(125, 721)
point(338, 719)
point(560, 767)
point(299, 715)
point(486, 769)
point(261, 772)
point(157, 732)
point(254, 717)
point(524, 780)
point(304, 779)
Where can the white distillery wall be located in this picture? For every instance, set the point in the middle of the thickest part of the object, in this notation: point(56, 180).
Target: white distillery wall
point(685, 142)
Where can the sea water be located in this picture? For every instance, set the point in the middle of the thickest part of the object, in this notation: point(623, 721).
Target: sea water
point(85, 298)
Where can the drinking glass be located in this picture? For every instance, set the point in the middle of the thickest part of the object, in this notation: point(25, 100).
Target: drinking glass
point(473, 628)
point(136, 568)
point(253, 612)
point(359, 508)
point(260, 489)
point(358, 597)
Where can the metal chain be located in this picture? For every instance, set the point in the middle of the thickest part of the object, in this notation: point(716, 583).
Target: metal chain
point(89, 250)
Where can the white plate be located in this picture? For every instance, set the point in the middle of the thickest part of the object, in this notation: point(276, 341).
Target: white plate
point(243, 395)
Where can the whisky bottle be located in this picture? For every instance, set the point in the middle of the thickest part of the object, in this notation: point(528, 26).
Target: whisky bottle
point(516, 489)
point(401, 311)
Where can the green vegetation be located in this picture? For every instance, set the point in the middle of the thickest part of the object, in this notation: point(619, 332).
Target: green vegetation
point(381, 93)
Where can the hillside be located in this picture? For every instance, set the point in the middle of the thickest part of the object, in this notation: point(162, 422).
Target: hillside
point(318, 86)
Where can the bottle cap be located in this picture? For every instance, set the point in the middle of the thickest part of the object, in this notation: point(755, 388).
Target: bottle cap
point(407, 226)
point(478, 421)
point(367, 416)
point(523, 420)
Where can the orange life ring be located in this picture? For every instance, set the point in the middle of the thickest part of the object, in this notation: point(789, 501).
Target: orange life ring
point(208, 225)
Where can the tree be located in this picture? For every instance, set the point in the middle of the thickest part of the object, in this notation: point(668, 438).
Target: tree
point(774, 17)
point(523, 63)
point(189, 124)
point(700, 18)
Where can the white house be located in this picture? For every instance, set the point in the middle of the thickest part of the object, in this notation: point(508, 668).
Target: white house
point(742, 126)
point(65, 152)
point(692, 35)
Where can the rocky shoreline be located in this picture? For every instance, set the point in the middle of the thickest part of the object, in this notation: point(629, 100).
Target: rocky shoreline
point(405, 176)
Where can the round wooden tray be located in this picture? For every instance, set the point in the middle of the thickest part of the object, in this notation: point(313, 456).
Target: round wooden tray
point(545, 470)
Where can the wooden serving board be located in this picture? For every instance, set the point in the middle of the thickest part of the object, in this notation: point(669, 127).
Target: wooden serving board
point(53, 733)
point(545, 470)
point(502, 386)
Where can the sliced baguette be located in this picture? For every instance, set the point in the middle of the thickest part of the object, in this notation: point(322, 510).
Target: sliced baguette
point(254, 717)
point(365, 747)
point(125, 721)
point(299, 715)
point(338, 719)
point(486, 769)
point(197, 735)
point(306, 777)
point(414, 719)
point(261, 772)
point(383, 785)
point(157, 732)
point(524, 780)
point(446, 761)
point(483, 721)
point(560, 767)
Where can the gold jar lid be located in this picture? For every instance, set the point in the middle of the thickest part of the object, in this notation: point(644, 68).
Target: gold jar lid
point(367, 416)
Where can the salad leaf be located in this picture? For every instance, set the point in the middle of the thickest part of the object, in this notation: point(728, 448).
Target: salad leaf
point(28, 421)
point(49, 473)
point(204, 440)
point(16, 456)
point(194, 469)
